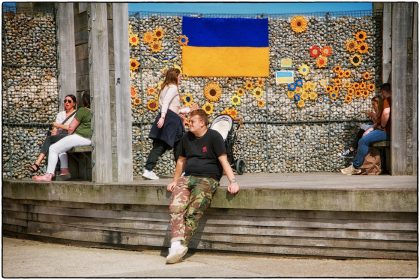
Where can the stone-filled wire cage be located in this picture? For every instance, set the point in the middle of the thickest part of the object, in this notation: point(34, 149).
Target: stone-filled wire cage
point(297, 127)
point(29, 85)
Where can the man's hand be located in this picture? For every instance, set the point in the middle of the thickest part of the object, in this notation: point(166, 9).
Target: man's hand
point(233, 188)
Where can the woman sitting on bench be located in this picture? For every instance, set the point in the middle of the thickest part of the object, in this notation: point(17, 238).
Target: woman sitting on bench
point(80, 134)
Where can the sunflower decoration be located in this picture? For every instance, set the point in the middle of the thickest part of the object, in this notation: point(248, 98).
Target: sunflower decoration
point(333, 95)
point(351, 45)
point(291, 86)
point(336, 88)
point(356, 60)
point(337, 69)
point(326, 51)
point(304, 69)
point(307, 86)
point(330, 89)
point(134, 64)
point(350, 91)
point(370, 87)
point(337, 81)
point(340, 74)
point(134, 40)
point(183, 40)
point(363, 47)
point(348, 99)
point(260, 103)
point(321, 61)
point(304, 95)
point(323, 83)
point(152, 105)
point(362, 85)
point(315, 51)
point(346, 83)
point(249, 85)
point(240, 92)
point(233, 113)
point(187, 99)
point(148, 37)
point(298, 90)
point(313, 95)
point(260, 82)
point(151, 91)
point(347, 73)
point(358, 93)
point(258, 93)
point(366, 76)
point(360, 36)
point(158, 33)
point(301, 104)
point(299, 24)
point(137, 101)
point(290, 94)
point(356, 86)
point(156, 46)
point(235, 100)
point(133, 92)
point(365, 94)
point(212, 92)
point(208, 108)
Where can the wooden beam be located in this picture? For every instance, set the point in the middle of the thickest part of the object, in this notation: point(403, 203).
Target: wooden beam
point(122, 93)
point(415, 90)
point(66, 51)
point(100, 93)
point(386, 42)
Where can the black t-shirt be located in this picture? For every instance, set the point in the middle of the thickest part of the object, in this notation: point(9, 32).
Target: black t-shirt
point(202, 154)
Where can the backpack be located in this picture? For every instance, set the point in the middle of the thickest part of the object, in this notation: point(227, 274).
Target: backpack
point(372, 163)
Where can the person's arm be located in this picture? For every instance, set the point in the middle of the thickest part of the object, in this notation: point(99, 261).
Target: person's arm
point(180, 164)
point(73, 125)
point(233, 186)
point(385, 117)
point(170, 94)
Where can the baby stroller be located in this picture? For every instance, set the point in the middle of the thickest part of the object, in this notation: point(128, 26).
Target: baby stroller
point(224, 125)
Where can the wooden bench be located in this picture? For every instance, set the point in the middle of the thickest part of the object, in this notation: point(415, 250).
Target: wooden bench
point(383, 147)
point(80, 163)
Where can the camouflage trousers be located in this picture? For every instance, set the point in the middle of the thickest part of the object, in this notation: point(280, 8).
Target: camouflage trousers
point(190, 198)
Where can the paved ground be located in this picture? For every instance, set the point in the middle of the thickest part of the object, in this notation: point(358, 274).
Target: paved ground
point(24, 258)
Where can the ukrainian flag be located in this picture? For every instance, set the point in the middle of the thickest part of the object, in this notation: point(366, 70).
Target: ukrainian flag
point(225, 47)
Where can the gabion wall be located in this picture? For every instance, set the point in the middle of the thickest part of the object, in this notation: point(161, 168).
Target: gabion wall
point(29, 87)
point(279, 134)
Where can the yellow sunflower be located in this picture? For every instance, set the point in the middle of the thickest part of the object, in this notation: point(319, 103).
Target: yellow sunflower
point(151, 91)
point(304, 95)
point(337, 69)
point(299, 24)
point(336, 81)
point(260, 82)
point(366, 76)
point(249, 85)
point(362, 85)
point(346, 83)
point(183, 40)
point(356, 60)
point(258, 93)
point(156, 46)
point(356, 86)
point(365, 94)
point(290, 94)
point(307, 86)
point(134, 64)
point(334, 95)
point(370, 87)
point(313, 95)
point(321, 61)
point(152, 105)
point(134, 40)
point(304, 69)
point(240, 92)
point(212, 92)
point(301, 104)
point(137, 101)
point(330, 88)
point(260, 103)
point(235, 100)
point(363, 47)
point(348, 99)
point(360, 36)
point(187, 99)
point(340, 74)
point(158, 33)
point(233, 113)
point(347, 73)
point(148, 37)
point(351, 45)
point(208, 108)
point(358, 93)
point(350, 91)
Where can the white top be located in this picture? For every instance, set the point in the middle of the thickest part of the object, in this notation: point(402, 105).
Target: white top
point(169, 99)
point(62, 116)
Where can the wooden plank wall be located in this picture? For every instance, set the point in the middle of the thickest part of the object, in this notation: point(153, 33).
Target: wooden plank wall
point(284, 232)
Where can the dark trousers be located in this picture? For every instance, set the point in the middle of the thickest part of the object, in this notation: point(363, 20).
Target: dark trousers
point(159, 148)
point(51, 140)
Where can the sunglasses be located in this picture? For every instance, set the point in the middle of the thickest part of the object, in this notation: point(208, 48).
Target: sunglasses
point(68, 101)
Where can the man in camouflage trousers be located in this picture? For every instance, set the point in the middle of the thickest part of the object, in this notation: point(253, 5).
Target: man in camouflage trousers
point(203, 158)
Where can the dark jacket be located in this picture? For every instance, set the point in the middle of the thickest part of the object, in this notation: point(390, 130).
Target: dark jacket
point(172, 129)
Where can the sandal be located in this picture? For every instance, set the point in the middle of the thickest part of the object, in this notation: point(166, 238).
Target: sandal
point(33, 168)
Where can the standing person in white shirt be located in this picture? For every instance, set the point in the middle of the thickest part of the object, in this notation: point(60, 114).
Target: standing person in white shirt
point(168, 127)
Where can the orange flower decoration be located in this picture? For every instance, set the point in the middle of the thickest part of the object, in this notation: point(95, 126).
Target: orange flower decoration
point(370, 87)
point(134, 64)
point(347, 73)
point(158, 33)
point(351, 45)
point(348, 99)
point(334, 95)
point(366, 76)
point(156, 46)
point(134, 40)
point(326, 51)
point(148, 37)
point(151, 91)
point(133, 92)
point(350, 91)
point(362, 47)
point(362, 85)
point(340, 74)
point(337, 68)
point(315, 51)
point(356, 86)
point(365, 94)
point(137, 101)
point(299, 24)
point(330, 89)
point(321, 61)
point(360, 36)
point(261, 103)
point(358, 93)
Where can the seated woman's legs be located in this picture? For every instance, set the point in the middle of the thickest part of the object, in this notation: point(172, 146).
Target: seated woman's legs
point(364, 143)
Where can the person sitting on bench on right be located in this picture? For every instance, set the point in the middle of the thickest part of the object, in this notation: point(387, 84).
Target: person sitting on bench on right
point(380, 131)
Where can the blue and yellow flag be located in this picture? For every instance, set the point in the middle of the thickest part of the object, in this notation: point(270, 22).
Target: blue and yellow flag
point(225, 47)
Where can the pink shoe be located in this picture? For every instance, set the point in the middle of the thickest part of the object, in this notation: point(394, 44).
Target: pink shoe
point(64, 171)
point(47, 177)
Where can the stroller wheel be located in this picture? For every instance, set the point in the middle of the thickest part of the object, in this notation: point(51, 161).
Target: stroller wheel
point(240, 166)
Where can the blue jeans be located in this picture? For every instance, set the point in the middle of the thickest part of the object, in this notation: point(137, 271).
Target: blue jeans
point(365, 142)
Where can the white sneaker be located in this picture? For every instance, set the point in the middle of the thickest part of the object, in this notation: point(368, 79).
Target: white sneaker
point(175, 254)
point(150, 175)
point(351, 170)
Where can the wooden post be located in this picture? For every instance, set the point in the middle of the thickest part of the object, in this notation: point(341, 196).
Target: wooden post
point(66, 51)
point(401, 82)
point(100, 93)
point(122, 93)
point(386, 42)
point(415, 91)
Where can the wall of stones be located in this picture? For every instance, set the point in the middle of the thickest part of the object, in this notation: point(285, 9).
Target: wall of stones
point(278, 135)
point(29, 87)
